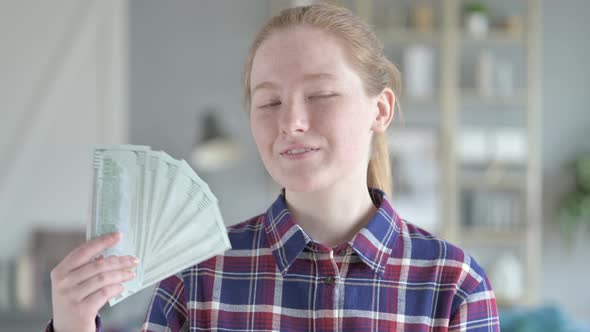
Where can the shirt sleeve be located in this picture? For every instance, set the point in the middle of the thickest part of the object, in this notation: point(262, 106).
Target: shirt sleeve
point(49, 326)
point(478, 312)
point(167, 310)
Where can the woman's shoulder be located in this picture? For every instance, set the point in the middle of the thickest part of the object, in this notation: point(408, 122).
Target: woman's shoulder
point(253, 224)
point(248, 234)
point(454, 277)
point(453, 261)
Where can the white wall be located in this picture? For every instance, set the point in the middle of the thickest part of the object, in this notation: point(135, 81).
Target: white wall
point(566, 133)
point(187, 56)
point(63, 66)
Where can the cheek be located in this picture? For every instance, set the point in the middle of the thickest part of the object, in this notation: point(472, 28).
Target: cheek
point(262, 132)
point(352, 131)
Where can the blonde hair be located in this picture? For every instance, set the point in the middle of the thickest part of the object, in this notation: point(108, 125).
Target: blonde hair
point(365, 54)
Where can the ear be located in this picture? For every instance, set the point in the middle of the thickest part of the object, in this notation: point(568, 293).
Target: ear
point(385, 110)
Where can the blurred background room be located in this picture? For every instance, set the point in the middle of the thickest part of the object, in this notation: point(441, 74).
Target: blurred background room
point(490, 150)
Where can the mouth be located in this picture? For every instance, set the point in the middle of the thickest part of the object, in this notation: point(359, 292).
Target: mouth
point(298, 151)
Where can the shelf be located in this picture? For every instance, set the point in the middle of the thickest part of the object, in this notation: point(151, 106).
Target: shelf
point(488, 234)
point(510, 304)
point(493, 178)
point(404, 35)
point(506, 184)
point(471, 97)
point(511, 170)
point(494, 38)
point(418, 111)
point(408, 116)
point(428, 101)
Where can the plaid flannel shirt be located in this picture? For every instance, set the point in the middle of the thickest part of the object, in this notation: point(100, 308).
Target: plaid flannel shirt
point(392, 276)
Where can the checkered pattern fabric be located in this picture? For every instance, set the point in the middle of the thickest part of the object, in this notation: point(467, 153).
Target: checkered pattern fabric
point(392, 276)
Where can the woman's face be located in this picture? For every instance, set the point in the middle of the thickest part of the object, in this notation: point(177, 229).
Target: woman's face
point(310, 116)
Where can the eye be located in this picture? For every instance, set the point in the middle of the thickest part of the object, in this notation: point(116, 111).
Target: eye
point(322, 96)
point(270, 105)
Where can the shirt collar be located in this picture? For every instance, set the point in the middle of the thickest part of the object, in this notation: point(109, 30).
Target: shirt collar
point(373, 243)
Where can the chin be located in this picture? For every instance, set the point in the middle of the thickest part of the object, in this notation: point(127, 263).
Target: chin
point(305, 184)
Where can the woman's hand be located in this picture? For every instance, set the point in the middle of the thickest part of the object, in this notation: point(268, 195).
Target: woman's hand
point(80, 286)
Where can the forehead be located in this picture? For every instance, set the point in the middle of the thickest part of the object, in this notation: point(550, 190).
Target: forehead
point(296, 53)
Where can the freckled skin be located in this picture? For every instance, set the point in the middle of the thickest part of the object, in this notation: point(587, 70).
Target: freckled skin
point(331, 114)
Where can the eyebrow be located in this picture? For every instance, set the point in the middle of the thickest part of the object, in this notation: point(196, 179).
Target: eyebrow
point(306, 77)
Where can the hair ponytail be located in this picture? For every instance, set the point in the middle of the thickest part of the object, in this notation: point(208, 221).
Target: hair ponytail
point(379, 170)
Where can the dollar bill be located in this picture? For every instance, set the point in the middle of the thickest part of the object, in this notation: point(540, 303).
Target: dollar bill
point(167, 214)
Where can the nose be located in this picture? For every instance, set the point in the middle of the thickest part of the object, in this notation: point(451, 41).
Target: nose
point(294, 119)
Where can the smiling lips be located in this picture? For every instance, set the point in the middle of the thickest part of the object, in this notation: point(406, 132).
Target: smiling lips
point(297, 151)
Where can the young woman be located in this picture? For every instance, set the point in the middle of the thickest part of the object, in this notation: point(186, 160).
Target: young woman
point(330, 254)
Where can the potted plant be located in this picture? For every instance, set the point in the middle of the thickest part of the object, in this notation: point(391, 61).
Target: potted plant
point(574, 211)
point(477, 19)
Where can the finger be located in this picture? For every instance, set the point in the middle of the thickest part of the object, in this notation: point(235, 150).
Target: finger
point(84, 253)
point(98, 299)
point(99, 281)
point(111, 263)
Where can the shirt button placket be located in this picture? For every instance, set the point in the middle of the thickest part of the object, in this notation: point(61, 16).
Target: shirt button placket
point(329, 280)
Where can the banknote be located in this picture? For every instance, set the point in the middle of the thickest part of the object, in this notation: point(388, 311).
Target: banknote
point(119, 174)
point(209, 241)
point(190, 193)
point(167, 214)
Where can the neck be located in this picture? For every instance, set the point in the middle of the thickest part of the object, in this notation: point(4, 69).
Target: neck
point(332, 216)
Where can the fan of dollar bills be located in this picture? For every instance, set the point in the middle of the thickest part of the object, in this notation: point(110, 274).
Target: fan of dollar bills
point(167, 215)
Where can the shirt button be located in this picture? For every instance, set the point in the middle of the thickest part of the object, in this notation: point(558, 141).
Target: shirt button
point(329, 280)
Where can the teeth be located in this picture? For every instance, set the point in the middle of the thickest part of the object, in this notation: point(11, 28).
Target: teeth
point(297, 151)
